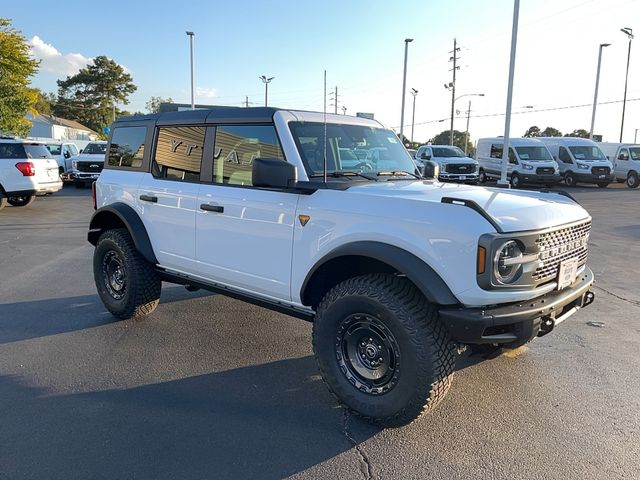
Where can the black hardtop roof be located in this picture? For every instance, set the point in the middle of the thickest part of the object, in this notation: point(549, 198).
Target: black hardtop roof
point(211, 115)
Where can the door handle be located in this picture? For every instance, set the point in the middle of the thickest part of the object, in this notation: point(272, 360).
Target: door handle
point(149, 198)
point(212, 208)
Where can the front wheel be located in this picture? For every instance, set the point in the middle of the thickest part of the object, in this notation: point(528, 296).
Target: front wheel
point(128, 285)
point(482, 177)
point(569, 179)
point(515, 180)
point(382, 350)
point(632, 180)
point(21, 200)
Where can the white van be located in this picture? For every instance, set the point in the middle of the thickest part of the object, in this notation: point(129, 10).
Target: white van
point(580, 160)
point(626, 161)
point(454, 165)
point(529, 161)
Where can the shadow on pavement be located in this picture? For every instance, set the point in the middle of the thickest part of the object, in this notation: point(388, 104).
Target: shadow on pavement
point(265, 421)
point(41, 318)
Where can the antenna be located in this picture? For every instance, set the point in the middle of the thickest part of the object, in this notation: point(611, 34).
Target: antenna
point(324, 151)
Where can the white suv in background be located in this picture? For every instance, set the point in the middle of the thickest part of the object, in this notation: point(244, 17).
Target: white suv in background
point(26, 170)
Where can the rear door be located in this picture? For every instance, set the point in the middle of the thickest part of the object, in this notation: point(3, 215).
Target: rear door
point(244, 234)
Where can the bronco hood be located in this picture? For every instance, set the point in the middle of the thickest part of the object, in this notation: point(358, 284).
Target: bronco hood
point(511, 210)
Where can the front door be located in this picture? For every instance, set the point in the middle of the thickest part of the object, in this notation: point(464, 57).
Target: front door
point(244, 234)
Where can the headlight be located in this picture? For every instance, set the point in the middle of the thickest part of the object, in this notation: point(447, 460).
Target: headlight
point(527, 166)
point(74, 164)
point(583, 166)
point(507, 262)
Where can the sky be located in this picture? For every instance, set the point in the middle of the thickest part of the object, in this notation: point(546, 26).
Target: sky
point(361, 46)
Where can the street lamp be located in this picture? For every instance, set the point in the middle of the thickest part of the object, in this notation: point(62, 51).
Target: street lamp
point(266, 82)
point(414, 92)
point(407, 41)
point(629, 33)
point(595, 96)
point(193, 104)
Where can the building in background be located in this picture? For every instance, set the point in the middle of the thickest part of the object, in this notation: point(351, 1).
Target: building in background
point(51, 127)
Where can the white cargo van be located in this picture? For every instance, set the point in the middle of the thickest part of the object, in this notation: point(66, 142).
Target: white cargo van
point(454, 165)
point(529, 161)
point(626, 161)
point(580, 160)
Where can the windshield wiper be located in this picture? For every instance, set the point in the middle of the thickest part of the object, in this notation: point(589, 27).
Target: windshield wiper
point(397, 173)
point(345, 173)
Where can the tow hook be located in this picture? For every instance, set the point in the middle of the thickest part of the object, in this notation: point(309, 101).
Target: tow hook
point(548, 323)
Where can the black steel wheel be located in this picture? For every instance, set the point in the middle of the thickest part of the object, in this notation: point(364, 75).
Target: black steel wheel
point(382, 350)
point(21, 200)
point(127, 284)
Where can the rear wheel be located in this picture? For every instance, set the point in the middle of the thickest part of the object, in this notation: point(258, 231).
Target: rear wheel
point(128, 285)
point(382, 350)
point(21, 200)
point(482, 177)
point(632, 180)
point(603, 184)
point(569, 179)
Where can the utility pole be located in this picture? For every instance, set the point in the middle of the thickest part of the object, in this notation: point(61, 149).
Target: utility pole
point(629, 33)
point(414, 92)
point(453, 59)
point(466, 131)
point(335, 100)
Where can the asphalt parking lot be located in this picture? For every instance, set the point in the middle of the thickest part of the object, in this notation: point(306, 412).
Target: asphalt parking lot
point(209, 387)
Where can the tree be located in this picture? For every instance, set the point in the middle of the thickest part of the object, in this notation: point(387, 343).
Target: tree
point(44, 101)
point(16, 66)
point(580, 133)
point(153, 105)
point(458, 140)
point(551, 132)
point(533, 131)
point(91, 95)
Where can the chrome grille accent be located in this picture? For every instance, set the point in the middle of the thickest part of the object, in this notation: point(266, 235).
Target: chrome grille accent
point(560, 245)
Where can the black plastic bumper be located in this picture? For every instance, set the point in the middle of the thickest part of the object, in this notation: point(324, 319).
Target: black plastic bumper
point(593, 178)
point(517, 323)
point(539, 178)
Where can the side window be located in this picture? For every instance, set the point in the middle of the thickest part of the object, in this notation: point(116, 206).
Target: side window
point(496, 150)
point(512, 157)
point(127, 147)
point(564, 156)
point(73, 149)
point(624, 154)
point(237, 146)
point(178, 153)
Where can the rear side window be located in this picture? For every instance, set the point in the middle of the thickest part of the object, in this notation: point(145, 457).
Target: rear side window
point(36, 150)
point(12, 150)
point(178, 153)
point(127, 147)
point(496, 150)
point(237, 146)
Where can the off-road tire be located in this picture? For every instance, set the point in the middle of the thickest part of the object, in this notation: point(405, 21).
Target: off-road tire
point(569, 179)
point(422, 378)
point(140, 295)
point(632, 180)
point(21, 201)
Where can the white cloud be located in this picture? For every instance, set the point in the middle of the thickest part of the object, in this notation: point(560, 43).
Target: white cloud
point(203, 92)
point(51, 60)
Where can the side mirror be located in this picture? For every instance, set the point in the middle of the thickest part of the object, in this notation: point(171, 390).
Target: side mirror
point(80, 151)
point(430, 170)
point(425, 156)
point(66, 154)
point(273, 173)
point(621, 157)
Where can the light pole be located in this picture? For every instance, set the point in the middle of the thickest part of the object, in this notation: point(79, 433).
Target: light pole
point(266, 82)
point(595, 95)
point(629, 33)
point(407, 41)
point(635, 137)
point(193, 104)
point(414, 92)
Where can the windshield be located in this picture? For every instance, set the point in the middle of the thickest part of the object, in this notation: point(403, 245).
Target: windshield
point(586, 153)
point(529, 154)
point(95, 148)
point(447, 152)
point(635, 153)
point(350, 148)
point(54, 148)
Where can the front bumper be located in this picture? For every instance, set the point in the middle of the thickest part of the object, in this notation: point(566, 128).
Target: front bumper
point(456, 177)
point(76, 176)
point(542, 178)
point(517, 323)
point(589, 177)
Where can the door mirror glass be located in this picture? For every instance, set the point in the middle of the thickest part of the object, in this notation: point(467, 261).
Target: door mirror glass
point(273, 173)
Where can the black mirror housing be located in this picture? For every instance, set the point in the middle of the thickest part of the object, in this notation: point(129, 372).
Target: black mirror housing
point(431, 170)
point(273, 173)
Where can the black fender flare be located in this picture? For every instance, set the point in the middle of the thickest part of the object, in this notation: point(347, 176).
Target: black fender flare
point(432, 286)
point(112, 216)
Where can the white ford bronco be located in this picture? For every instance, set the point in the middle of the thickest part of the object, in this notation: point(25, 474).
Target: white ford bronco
point(290, 211)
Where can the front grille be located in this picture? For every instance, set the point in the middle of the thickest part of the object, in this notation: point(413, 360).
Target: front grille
point(560, 245)
point(460, 168)
point(544, 170)
point(600, 170)
point(91, 167)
